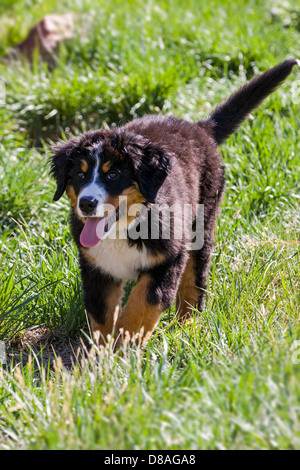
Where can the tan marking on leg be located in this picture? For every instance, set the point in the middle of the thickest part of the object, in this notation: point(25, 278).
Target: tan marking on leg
point(84, 166)
point(139, 318)
point(188, 293)
point(113, 309)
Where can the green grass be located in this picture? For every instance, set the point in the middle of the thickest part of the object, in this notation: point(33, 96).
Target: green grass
point(227, 380)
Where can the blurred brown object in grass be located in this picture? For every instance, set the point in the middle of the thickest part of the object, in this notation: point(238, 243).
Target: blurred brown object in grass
point(46, 36)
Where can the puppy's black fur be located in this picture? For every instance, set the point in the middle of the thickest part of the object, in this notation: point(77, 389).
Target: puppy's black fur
point(160, 160)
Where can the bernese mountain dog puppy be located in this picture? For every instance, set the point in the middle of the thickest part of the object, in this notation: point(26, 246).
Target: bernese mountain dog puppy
point(151, 163)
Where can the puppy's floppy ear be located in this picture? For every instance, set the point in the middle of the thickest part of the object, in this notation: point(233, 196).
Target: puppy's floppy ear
point(61, 162)
point(152, 164)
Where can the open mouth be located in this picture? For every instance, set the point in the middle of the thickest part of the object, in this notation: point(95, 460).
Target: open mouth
point(95, 227)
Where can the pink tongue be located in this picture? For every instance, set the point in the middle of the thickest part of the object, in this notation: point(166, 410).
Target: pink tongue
point(92, 231)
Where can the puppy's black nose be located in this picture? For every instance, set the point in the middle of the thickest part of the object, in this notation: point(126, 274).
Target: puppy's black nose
point(88, 205)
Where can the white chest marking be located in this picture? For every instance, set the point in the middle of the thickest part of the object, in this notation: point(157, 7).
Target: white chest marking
point(116, 258)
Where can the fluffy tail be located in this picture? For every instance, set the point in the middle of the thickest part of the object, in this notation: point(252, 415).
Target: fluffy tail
point(227, 117)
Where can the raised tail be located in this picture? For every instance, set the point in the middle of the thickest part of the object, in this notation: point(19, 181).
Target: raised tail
point(228, 116)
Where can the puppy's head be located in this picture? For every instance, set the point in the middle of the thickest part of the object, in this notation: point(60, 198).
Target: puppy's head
point(100, 169)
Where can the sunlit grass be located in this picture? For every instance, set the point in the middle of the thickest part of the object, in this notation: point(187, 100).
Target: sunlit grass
point(227, 379)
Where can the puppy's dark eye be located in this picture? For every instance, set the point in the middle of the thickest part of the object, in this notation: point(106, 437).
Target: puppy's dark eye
point(113, 175)
point(80, 174)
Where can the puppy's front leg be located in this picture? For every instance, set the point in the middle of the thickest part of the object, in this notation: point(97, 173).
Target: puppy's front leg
point(154, 292)
point(140, 315)
point(102, 300)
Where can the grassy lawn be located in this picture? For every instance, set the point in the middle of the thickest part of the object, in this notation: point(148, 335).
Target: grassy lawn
point(228, 380)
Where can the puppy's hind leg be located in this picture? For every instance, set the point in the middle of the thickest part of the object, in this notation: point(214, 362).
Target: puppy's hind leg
point(193, 284)
point(188, 292)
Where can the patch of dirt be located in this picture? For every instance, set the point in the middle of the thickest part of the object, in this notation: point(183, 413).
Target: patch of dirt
point(45, 346)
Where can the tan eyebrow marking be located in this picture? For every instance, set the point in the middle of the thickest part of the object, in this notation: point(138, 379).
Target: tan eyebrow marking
point(106, 166)
point(84, 166)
